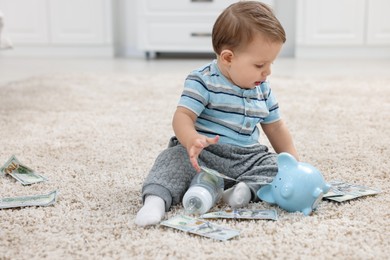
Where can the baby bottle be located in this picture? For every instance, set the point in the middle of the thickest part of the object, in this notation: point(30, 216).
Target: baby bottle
point(204, 192)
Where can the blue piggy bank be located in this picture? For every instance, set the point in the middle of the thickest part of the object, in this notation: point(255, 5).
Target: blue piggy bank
point(297, 186)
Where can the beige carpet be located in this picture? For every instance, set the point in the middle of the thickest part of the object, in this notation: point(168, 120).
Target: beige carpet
point(96, 136)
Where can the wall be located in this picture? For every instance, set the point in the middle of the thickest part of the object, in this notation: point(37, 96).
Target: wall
point(125, 28)
point(285, 11)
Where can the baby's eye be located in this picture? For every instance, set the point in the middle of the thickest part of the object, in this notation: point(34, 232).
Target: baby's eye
point(259, 66)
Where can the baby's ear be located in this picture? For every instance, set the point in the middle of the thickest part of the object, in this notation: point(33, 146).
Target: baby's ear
point(226, 56)
point(286, 161)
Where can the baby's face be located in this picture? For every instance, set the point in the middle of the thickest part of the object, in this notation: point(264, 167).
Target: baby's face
point(251, 65)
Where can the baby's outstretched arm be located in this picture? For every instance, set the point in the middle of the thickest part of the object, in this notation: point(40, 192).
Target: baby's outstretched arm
point(184, 126)
point(280, 138)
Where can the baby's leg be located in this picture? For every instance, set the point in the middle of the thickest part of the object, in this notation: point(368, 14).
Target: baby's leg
point(152, 212)
point(253, 166)
point(165, 185)
point(237, 196)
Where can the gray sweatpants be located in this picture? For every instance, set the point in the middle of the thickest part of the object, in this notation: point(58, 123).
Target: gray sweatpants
point(172, 171)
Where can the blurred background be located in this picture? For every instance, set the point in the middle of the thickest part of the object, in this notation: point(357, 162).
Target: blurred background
point(124, 28)
point(148, 30)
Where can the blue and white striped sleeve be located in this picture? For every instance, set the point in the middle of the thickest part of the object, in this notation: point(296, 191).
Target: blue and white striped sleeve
point(195, 95)
point(272, 104)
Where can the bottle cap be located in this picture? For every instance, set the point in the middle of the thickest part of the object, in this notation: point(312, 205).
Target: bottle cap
point(197, 200)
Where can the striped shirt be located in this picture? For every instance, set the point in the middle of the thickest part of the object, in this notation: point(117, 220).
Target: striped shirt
point(225, 109)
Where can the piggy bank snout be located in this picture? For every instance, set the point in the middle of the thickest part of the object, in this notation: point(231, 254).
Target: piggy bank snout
point(287, 190)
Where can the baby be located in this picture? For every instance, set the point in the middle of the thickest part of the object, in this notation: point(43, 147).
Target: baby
point(216, 120)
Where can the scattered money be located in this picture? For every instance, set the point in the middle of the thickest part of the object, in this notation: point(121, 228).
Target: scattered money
point(21, 172)
point(200, 227)
point(255, 180)
point(268, 214)
point(215, 173)
point(26, 201)
point(342, 191)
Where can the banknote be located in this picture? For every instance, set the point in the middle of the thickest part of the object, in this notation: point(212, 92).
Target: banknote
point(254, 180)
point(215, 173)
point(200, 227)
point(259, 180)
point(266, 214)
point(21, 172)
point(26, 201)
point(343, 191)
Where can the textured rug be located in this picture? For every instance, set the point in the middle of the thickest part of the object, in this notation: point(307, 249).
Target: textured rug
point(96, 136)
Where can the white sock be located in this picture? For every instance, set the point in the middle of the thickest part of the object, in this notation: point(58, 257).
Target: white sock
point(152, 212)
point(237, 196)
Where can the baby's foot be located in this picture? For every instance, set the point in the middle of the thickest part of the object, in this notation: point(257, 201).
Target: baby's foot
point(237, 196)
point(152, 212)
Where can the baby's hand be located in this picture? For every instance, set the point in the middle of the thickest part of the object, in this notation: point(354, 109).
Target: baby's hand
point(197, 146)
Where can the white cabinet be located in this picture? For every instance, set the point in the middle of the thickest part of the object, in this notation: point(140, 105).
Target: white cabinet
point(177, 25)
point(343, 28)
point(80, 21)
point(68, 27)
point(378, 24)
point(25, 21)
point(332, 22)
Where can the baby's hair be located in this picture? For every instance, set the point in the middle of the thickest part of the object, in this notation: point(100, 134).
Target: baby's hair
point(236, 25)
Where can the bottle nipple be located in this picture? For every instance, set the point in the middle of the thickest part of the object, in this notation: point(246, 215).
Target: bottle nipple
point(194, 205)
